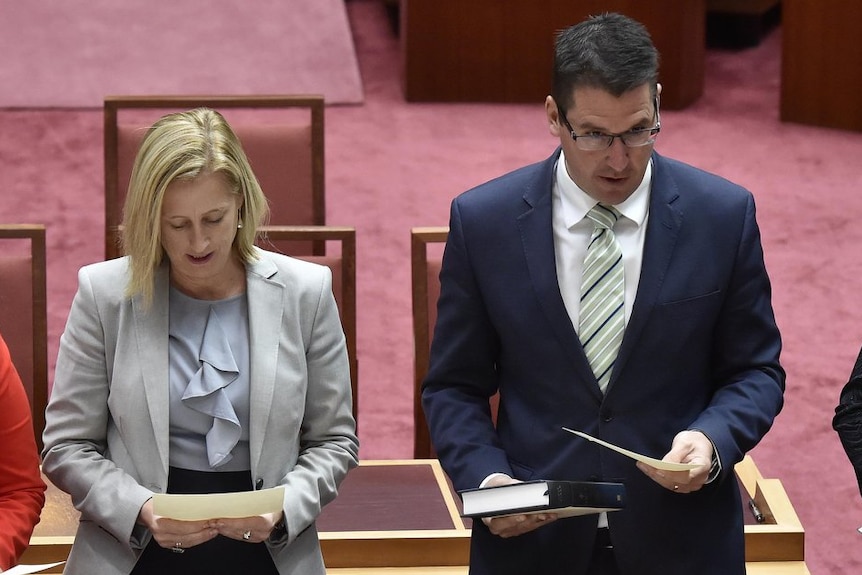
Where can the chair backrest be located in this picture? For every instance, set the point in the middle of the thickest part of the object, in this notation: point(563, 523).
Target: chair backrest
point(341, 259)
point(24, 313)
point(281, 135)
point(426, 259)
point(426, 245)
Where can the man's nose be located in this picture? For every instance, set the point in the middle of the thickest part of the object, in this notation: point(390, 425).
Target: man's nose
point(618, 155)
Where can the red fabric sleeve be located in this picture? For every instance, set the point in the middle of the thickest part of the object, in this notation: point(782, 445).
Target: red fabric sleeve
point(22, 491)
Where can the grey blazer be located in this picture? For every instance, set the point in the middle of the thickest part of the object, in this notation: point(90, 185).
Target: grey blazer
point(106, 434)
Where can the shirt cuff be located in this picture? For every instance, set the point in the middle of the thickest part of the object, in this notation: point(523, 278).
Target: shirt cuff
point(715, 466)
point(490, 477)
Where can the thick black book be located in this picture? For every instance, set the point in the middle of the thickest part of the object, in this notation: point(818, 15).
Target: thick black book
point(564, 498)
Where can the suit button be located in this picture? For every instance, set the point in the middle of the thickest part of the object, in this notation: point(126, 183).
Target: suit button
point(607, 417)
point(258, 485)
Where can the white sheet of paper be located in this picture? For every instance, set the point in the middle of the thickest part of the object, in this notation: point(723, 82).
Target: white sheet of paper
point(25, 569)
point(651, 461)
point(199, 507)
point(563, 512)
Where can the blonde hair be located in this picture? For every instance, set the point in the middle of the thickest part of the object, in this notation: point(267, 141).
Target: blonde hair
point(179, 146)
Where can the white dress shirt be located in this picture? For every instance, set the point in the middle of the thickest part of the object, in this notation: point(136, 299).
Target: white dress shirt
point(572, 233)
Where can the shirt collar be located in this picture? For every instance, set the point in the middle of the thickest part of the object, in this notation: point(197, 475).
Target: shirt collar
point(576, 203)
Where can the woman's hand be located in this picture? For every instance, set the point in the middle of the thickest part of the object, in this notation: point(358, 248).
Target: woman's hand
point(252, 529)
point(175, 534)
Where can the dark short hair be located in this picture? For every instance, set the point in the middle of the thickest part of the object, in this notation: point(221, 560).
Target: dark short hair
point(610, 51)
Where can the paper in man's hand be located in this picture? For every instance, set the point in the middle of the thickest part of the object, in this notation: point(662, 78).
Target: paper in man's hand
point(651, 461)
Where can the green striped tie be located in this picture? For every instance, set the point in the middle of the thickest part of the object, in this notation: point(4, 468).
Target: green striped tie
point(602, 313)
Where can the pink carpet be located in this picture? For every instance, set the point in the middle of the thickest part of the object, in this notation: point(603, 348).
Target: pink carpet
point(393, 165)
point(75, 52)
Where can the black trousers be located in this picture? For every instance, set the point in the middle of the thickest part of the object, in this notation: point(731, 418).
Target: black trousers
point(603, 561)
point(219, 555)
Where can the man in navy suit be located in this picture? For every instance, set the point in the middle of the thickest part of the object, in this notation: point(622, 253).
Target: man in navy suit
point(696, 379)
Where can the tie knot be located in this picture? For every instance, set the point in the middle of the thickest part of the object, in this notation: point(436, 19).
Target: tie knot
point(604, 216)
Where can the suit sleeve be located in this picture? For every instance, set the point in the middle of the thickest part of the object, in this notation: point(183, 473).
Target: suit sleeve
point(75, 455)
point(462, 374)
point(748, 379)
point(22, 491)
point(848, 419)
point(328, 444)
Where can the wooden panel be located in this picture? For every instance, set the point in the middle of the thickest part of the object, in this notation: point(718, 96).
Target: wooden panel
point(24, 312)
point(53, 537)
point(821, 63)
point(741, 6)
point(502, 50)
point(380, 493)
point(291, 174)
point(403, 516)
point(780, 537)
point(425, 291)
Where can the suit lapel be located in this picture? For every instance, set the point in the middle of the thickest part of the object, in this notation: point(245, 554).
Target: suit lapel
point(665, 221)
point(151, 327)
point(265, 309)
point(538, 243)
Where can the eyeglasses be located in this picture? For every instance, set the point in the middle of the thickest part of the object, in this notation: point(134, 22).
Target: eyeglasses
point(594, 141)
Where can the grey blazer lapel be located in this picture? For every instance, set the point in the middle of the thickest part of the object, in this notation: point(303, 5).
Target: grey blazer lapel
point(151, 329)
point(265, 310)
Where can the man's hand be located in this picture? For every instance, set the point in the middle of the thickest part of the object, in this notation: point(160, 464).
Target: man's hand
point(688, 447)
point(514, 525)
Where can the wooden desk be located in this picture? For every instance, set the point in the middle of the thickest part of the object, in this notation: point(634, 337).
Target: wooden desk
point(53, 537)
point(400, 517)
point(774, 547)
point(781, 536)
point(821, 63)
point(502, 50)
point(394, 513)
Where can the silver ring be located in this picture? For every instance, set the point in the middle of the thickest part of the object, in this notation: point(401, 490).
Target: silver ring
point(247, 535)
point(676, 487)
point(178, 548)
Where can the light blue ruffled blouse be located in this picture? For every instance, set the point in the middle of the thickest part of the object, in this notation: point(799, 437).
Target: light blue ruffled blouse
point(209, 385)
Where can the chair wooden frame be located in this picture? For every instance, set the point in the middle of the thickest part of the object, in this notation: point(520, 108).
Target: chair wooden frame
point(346, 236)
point(113, 105)
point(419, 240)
point(37, 389)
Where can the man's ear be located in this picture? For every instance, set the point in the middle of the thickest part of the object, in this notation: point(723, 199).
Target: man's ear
point(552, 112)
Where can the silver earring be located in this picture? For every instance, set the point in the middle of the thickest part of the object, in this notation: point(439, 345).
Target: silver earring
point(239, 220)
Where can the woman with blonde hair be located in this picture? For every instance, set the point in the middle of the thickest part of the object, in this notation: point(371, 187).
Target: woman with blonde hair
point(198, 363)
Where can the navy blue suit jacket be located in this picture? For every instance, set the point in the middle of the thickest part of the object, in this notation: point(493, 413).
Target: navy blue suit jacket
point(700, 351)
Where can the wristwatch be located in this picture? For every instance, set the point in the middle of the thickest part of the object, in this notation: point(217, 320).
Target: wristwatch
point(279, 531)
